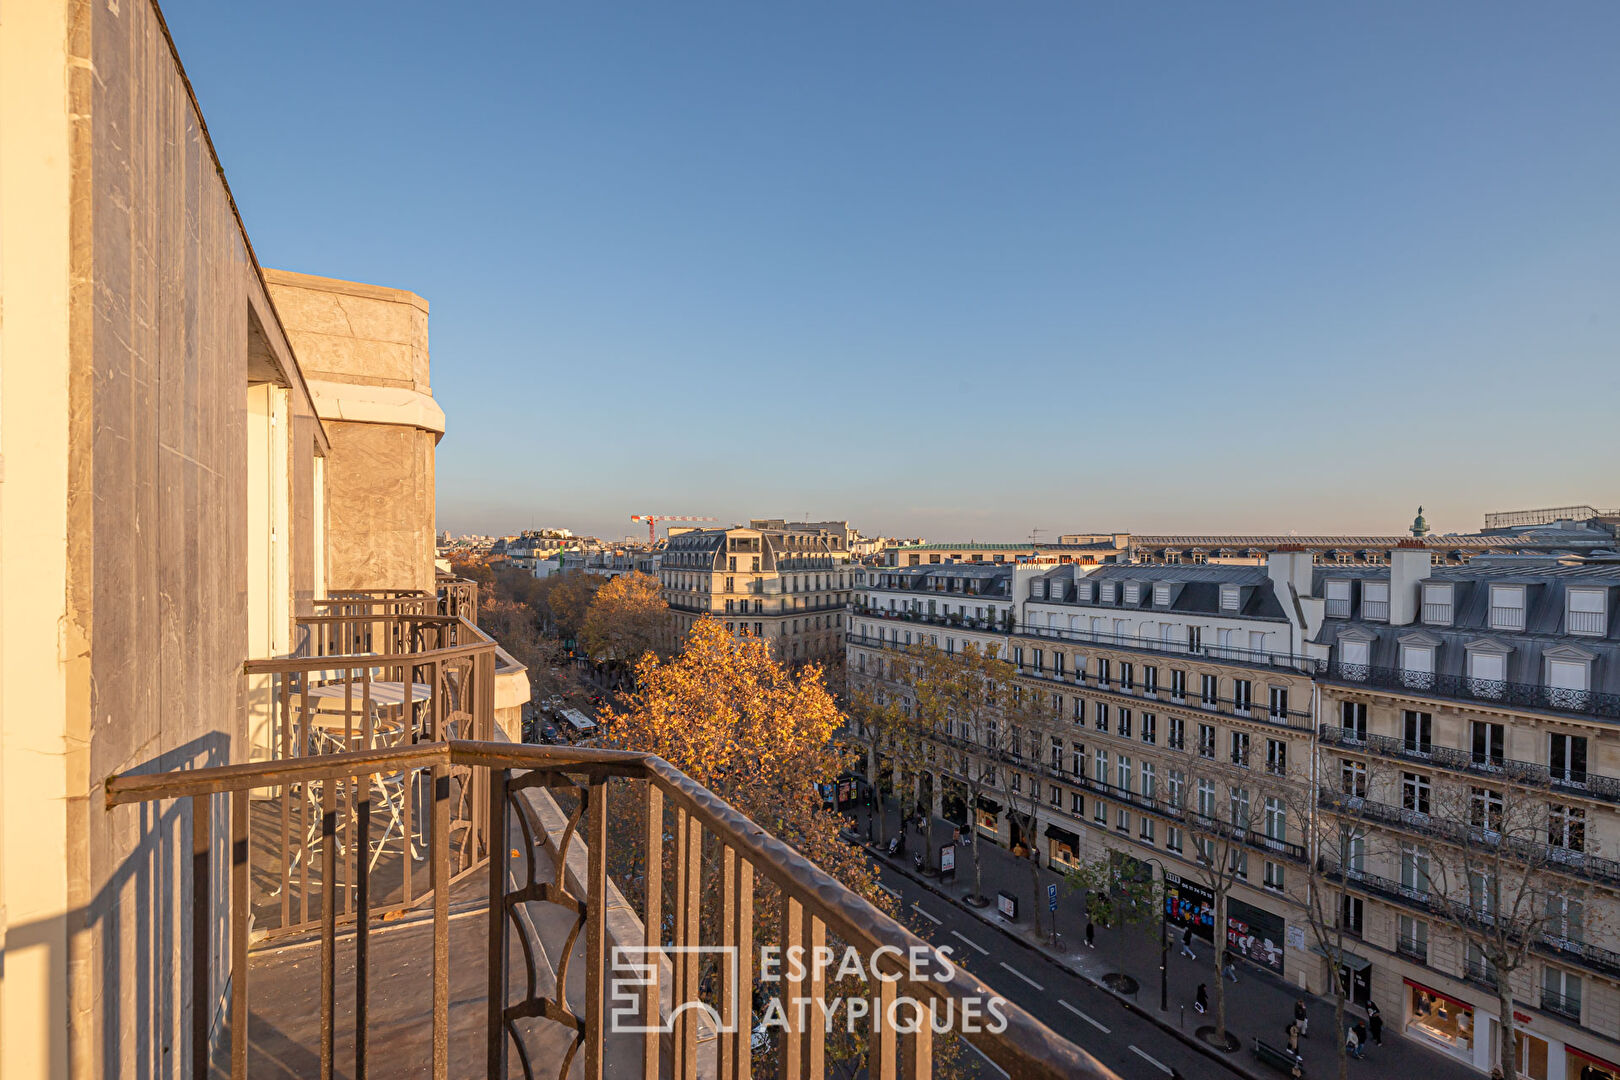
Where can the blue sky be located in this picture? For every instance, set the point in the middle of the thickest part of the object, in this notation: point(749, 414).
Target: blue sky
point(963, 269)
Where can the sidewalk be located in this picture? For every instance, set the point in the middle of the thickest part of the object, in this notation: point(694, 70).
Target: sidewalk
point(1259, 1004)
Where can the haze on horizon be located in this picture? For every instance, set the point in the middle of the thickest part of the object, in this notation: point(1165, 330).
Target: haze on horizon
point(961, 270)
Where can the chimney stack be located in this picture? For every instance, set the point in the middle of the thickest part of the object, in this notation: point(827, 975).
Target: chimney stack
point(1409, 564)
point(1288, 565)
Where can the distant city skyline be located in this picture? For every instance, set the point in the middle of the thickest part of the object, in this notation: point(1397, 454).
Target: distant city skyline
point(961, 269)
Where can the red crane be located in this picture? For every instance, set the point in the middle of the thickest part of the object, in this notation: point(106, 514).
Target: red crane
point(652, 521)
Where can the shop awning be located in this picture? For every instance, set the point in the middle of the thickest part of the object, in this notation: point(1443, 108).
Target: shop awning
point(1347, 959)
point(1055, 833)
point(1432, 992)
point(1607, 1066)
point(989, 806)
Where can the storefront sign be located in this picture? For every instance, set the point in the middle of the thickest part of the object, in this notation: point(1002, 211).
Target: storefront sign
point(1296, 937)
point(1007, 905)
point(1187, 903)
point(1254, 934)
point(947, 859)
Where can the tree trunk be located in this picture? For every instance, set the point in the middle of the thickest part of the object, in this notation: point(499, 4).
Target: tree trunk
point(1219, 936)
point(1504, 1005)
point(1338, 1019)
point(1034, 882)
point(978, 866)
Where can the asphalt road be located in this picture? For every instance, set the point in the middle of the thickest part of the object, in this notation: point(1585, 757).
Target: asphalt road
point(1093, 1019)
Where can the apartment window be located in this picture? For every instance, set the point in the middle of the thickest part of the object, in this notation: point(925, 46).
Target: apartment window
point(1104, 672)
point(1172, 839)
point(1123, 772)
point(1124, 728)
point(1507, 607)
point(1567, 682)
point(1127, 676)
point(1488, 743)
point(1077, 804)
point(1175, 783)
point(1417, 732)
point(1099, 812)
point(1567, 759)
point(754, 567)
point(1239, 862)
point(1242, 694)
point(728, 606)
point(1485, 808)
point(1122, 819)
point(1487, 673)
point(1437, 605)
point(1018, 782)
point(1099, 767)
point(1149, 777)
point(1279, 702)
point(1276, 819)
point(1057, 664)
point(1566, 827)
point(1080, 710)
point(1353, 849)
point(1145, 834)
point(1055, 795)
point(731, 564)
point(1375, 600)
point(1416, 791)
point(1353, 778)
point(1150, 725)
point(1354, 656)
point(1276, 757)
point(1566, 918)
point(1351, 913)
point(1178, 684)
point(1195, 639)
point(1413, 938)
point(1338, 599)
point(1206, 741)
point(1150, 681)
point(1417, 666)
point(1561, 992)
point(1353, 718)
point(1585, 612)
point(1209, 692)
point(1206, 798)
point(1238, 799)
point(1274, 876)
point(1055, 750)
point(1176, 733)
point(1100, 717)
point(1239, 748)
point(731, 583)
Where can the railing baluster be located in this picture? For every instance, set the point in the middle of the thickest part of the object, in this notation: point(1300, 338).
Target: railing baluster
point(441, 921)
point(652, 928)
point(328, 919)
point(240, 911)
point(691, 908)
point(499, 844)
point(284, 793)
point(791, 1054)
point(917, 1048)
point(729, 1001)
point(596, 894)
point(880, 1051)
point(678, 959)
point(201, 908)
point(362, 926)
point(744, 910)
point(815, 1038)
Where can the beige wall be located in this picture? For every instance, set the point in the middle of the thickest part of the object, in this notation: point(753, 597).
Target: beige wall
point(364, 349)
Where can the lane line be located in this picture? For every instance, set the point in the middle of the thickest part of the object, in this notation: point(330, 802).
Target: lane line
point(1155, 1062)
point(970, 942)
point(1021, 975)
point(892, 892)
point(986, 1057)
point(1083, 1016)
point(924, 914)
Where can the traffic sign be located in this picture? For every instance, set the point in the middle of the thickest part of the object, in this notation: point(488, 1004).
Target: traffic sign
point(1051, 897)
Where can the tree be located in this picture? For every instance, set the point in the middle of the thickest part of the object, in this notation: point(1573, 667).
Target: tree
point(569, 598)
point(957, 696)
point(626, 619)
point(1117, 891)
point(1500, 880)
point(1023, 720)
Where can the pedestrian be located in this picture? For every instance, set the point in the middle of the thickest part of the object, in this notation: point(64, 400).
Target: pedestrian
point(1091, 934)
point(1186, 943)
point(1201, 1001)
point(1301, 1019)
point(1375, 1023)
point(1293, 1037)
point(1352, 1045)
point(1229, 970)
point(1361, 1036)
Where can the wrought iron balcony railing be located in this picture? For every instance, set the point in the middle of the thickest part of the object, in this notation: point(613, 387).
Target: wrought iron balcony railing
point(1571, 781)
point(1495, 692)
point(1565, 1005)
point(712, 843)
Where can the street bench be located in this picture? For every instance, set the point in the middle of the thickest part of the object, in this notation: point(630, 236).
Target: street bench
point(1278, 1058)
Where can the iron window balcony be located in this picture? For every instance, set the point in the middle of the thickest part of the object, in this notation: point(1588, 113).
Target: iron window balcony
point(1571, 782)
point(1466, 688)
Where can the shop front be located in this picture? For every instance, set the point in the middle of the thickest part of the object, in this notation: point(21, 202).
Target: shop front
point(986, 816)
point(1188, 903)
point(954, 804)
point(1254, 934)
point(1063, 847)
point(1440, 1019)
point(1580, 1065)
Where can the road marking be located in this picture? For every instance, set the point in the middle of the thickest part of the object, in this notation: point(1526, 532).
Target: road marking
point(1083, 1016)
point(888, 890)
point(1155, 1062)
point(1021, 975)
point(970, 942)
point(924, 914)
point(986, 1057)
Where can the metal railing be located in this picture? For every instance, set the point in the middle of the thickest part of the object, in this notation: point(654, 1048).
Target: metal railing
point(1480, 972)
point(1491, 691)
point(1437, 614)
point(1531, 773)
point(1585, 622)
point(1507, 618)
point(1565, 1005)
point(1230, 654)
point(741, 863)
point(1376, 610)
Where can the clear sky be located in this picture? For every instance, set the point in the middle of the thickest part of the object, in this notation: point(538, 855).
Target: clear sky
point(962, 269)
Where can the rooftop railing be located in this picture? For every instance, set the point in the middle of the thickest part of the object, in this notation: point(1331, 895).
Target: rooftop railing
point(726, 871)
point(1494, 692)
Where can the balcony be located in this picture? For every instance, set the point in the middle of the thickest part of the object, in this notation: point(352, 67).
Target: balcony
point(1492, 692)
point(1227, 654)
point(1569, 782)
point(523, 850)
point(1480, 973)
point(1436, 614)
point(1565, 1005)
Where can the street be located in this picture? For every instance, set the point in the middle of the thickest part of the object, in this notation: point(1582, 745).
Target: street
point(1091, 1018)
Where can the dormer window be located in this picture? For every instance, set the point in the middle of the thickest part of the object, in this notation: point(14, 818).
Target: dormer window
point(1133, 593)
point(1437, 605)
point(1417, 660)
point(1586, 612)
point(1110, 592)
point(1161, 594)
point(1085, 591)
point(1568, 676)
point(1507, 607)
point(1487, 668)
point(1338, 599)
point(1039, 591)
point(1229, 598)
point(1375, 600)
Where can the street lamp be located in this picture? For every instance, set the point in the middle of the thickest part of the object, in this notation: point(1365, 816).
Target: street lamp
point(1164, 939)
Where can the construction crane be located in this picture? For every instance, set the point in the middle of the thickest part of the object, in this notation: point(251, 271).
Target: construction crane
point(652, 521)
